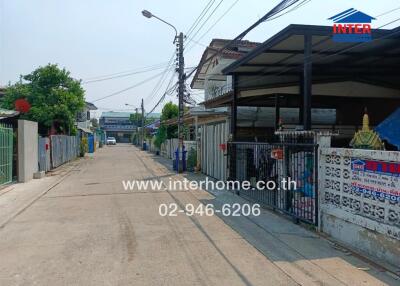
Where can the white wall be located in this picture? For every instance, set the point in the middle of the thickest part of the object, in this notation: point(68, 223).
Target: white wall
point(27, 150)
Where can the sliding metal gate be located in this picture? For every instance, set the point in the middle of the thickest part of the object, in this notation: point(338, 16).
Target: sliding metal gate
point(6, 153)
point(283, 176)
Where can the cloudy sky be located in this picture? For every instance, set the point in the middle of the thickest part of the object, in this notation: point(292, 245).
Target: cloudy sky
point(96, 38)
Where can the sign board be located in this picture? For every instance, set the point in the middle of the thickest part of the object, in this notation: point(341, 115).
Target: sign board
point(277, 154)
point(376, 178)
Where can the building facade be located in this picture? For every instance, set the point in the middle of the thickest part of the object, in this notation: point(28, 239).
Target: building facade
point(118, 125)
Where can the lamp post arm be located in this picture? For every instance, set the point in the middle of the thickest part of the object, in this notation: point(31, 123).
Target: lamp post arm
point(176, 31)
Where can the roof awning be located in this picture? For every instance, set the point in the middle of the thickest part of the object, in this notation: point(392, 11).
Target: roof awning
point(279, 61)
point(6, 113)
point(85, 130)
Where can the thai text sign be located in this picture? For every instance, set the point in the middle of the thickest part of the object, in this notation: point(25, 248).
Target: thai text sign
point(376, 178)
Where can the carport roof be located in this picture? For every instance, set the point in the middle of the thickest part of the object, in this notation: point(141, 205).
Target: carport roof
point(376, 61)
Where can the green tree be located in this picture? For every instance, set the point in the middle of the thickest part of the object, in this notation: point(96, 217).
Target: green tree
point(55, 98)
point(136, 118)
point(95, 122)
point(169, 111)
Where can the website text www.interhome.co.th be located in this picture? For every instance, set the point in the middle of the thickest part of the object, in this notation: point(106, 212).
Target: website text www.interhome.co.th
point(207, 184)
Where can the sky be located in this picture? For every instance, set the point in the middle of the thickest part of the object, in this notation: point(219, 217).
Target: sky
point(96, 38)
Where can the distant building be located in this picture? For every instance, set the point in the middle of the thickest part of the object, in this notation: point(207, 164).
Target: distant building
point(118, 125)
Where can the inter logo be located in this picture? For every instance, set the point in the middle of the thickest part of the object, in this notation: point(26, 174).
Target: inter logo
point(352, 26)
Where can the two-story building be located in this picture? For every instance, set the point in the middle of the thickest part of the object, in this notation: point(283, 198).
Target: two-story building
point(118, 125)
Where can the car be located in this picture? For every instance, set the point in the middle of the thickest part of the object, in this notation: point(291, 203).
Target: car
point(111, 141)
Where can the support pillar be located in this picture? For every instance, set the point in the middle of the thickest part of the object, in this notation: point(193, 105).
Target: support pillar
point(307, 82)
point(277, 112)
point(234, 109)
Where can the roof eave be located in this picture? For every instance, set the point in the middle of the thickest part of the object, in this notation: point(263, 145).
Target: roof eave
point(290, 30)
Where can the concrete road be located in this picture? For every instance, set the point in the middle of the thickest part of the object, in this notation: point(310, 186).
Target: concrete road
point(85, 229)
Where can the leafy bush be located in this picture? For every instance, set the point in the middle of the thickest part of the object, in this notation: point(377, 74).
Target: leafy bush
point(84, 148)
point(192, 159)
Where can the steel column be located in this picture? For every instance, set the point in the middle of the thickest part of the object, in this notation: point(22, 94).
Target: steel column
point(307, 82)
point(234, 108)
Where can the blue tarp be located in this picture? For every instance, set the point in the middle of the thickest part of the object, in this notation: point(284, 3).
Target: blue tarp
point(389, 129)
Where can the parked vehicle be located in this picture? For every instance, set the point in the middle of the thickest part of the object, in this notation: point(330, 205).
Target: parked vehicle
point(111, 141)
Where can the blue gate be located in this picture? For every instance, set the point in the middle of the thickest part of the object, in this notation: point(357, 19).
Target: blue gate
point(91, 143)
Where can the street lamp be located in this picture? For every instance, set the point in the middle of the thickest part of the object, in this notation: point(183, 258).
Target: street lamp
point(149, 15)
point(178, 40)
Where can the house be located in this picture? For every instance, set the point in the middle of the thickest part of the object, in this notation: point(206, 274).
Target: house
point(83, 118)
point(118, 125)
point(326, 85)
point(329, 95)
point(212, 124)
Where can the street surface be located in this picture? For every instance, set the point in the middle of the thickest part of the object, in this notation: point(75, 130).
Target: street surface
point(80, 227)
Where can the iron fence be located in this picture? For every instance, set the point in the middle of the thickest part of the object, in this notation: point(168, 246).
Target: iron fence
point(283, 175)
point(63, 149)
point(6, 153)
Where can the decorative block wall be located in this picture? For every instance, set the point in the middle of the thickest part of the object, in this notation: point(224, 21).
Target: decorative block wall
point(362, 187)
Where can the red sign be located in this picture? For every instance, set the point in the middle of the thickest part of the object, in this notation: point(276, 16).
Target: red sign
point(277, 154)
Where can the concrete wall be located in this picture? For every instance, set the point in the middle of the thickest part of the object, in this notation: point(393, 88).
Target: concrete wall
point(27, 150)
point(360, 200)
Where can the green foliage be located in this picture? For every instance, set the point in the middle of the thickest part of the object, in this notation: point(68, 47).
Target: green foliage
point(84, 147)
point(136, 118)
point(192, 159)
point(161, 136)
point(55, 97)
point(95, 122)
point(169, 111)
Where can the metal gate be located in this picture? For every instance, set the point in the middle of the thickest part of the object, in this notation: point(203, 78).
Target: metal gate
point(6, 153)
point(283, 176)
point(44, 154)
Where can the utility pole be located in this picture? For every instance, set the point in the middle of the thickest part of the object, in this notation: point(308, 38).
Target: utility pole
point(137, 125)
point(181, 91)
point(178, 40)
point(142, 123)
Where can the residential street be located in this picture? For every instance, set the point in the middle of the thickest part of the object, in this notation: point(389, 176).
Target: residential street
point(80, 227)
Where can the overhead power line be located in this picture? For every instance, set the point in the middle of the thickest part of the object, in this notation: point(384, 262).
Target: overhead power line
point(200, 17)
point(212, 26)
point(169, 90)
point(162, 79)
point(129, 88)
point(391, 22)
point(127, 74)
point(208, 18)
point(388, 12)
point(283, 5)
point(304, 2)
point(159, 65)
